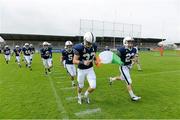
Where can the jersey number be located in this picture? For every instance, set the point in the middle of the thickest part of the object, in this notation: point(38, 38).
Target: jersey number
point(128, 57)
point(70, 57)
point(88, 56)
point(27, 51)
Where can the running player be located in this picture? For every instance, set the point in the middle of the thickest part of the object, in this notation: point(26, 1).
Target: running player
point(84, 56)
point(7, 54)
point(67, 55)
point(126, 53)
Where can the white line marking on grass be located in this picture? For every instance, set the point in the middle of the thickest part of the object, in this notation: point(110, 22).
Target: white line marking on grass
point(68, 88)
point(87, 112)
point(71, 98)
point(59, 82)
point(60, 106)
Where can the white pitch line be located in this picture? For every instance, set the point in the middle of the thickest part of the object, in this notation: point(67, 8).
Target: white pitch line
point(60, 106)
point(87, 112)
point(59, 82)
point(68, 88)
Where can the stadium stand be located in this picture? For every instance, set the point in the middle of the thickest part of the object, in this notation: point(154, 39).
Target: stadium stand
point(58, 41)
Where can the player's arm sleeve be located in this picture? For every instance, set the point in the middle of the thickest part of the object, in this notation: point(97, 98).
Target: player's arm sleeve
point(118, 52)
point(76, 50)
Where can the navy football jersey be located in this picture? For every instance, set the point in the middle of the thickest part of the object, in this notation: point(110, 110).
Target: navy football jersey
point(68, 56)
point(50, 48)
point(17, 52)
point(85, 54)
point(32, 50)
point(26, 51)
point(126, 54)
point(46, 53)
point(7, 51)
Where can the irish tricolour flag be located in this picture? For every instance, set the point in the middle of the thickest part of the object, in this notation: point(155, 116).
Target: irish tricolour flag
point(108, 57)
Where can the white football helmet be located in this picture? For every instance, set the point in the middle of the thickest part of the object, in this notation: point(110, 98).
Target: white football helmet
point(31, 45)
point(89, 39)
point(6, 46)
point(126, 40)
point(17, 46)
point(49, 44)
point(26, 44)
point(68, 45)
point(45, 43)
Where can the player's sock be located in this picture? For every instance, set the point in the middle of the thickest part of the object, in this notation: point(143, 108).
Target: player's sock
point(73, 83)
point(86, 96)
point(86, 93)
point(79, 95)
point(79, 98)
point(131, 93)
point(113, 79)
point(49, 70)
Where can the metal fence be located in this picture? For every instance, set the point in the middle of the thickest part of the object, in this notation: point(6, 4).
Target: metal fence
point(109, 29)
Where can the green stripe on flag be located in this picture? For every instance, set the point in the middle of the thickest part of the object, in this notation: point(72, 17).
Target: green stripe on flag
point(116, 60)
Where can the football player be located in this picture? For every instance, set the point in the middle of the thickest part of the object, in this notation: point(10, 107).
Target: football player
point(7, 53)
point(126, 53)
point(32, 51)
point(67, 55)
point(27, 55)
point(17, 52)
point(84, 56)
point(46, 57)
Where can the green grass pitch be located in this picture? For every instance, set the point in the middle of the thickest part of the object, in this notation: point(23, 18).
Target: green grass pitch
point(32, 95)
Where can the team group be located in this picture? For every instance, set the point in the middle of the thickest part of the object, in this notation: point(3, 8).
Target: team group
point(84, 56)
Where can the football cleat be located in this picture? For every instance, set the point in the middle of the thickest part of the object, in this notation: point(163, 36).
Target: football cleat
point(73, 84)
point(135, 98)
point(87, 100)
